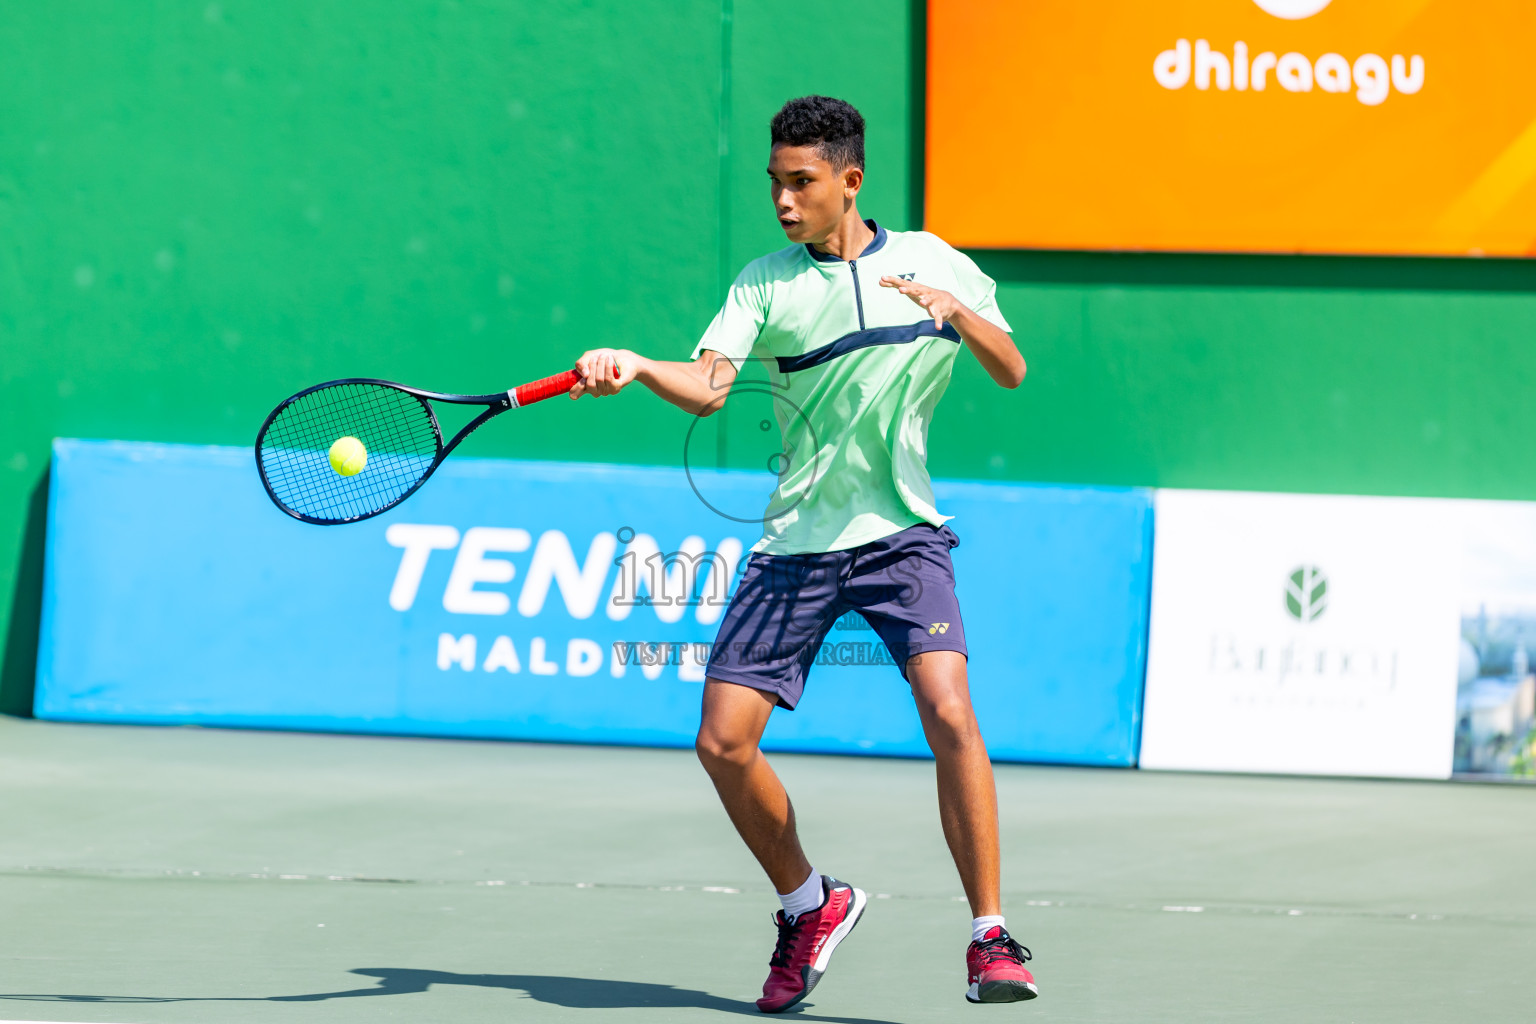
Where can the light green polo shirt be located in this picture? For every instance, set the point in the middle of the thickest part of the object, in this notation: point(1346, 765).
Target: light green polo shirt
point(857, 370)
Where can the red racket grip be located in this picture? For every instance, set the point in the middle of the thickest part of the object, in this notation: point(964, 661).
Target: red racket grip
point(549, 387)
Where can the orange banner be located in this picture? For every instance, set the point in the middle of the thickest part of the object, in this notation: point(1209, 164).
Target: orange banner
point(1327, 126)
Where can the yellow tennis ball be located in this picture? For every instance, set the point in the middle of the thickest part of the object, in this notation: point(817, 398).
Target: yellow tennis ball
point(348, 456)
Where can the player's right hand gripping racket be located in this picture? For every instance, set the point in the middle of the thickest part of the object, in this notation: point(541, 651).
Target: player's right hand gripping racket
point(350, 449)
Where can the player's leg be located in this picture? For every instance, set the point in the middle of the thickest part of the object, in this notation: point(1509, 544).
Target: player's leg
point(905, 586)
point(967, 792)
point(818, 911)
point(968, 811)
point(780, 611)
point(733, 722)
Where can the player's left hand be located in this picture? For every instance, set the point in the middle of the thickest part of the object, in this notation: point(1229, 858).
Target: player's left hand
point(941, 305)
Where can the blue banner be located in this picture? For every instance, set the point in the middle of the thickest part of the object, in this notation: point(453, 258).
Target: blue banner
point(550, 601)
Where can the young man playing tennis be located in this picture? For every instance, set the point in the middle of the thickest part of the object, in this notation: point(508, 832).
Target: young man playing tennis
point(860, 327)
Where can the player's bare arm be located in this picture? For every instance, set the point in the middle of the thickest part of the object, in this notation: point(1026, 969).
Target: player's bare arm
point(989, 343)
point(698, 387)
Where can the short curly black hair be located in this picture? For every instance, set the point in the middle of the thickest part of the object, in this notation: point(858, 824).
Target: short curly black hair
point(833, 127)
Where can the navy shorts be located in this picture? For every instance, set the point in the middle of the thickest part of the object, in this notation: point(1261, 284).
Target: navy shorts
point(902, 586)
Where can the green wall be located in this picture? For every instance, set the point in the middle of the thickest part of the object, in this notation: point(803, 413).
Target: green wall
point(204, 206)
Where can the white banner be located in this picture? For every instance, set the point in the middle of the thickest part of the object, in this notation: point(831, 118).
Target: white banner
point(1303, 634)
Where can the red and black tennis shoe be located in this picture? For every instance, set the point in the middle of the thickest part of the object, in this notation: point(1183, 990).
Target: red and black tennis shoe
point(806, 944)
point(996, 969)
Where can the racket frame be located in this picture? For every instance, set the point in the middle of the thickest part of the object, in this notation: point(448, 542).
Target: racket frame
point(496, 403)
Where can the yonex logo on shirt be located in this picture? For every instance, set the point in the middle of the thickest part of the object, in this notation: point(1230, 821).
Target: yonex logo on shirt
point(938, 627)
point(907, 277)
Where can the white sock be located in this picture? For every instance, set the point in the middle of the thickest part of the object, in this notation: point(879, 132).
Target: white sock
point(807, 897)
point(981, 925)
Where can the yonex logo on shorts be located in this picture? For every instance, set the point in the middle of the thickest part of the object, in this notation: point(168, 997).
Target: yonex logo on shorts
point(938, 627)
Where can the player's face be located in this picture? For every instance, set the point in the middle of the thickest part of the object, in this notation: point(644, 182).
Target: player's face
point(809, 196)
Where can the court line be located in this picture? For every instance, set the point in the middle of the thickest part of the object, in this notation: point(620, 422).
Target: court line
point(1224, 908)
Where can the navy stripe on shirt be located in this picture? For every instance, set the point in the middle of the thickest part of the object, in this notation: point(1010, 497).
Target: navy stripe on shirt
point(866, 339)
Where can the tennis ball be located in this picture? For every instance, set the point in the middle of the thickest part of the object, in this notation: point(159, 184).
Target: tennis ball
point(348, 456)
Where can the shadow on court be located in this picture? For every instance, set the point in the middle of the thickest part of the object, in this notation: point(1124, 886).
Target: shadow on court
point(575, 993)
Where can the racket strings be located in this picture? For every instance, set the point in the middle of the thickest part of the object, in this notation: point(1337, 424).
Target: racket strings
point(368, 426)
point(381, 418)
point(301, 473)
point(395, 427)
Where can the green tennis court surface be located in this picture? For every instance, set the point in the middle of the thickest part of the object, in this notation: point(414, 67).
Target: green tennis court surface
point(181, 875)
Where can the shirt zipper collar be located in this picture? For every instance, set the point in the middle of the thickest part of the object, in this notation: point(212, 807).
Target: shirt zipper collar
point(875, 245)
point(858, 296)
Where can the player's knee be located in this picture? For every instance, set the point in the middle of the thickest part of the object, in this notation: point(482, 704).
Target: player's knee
point(717, 749)
point(950, 722)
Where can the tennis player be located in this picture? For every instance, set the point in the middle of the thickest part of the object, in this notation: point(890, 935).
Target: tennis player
point(859, 327)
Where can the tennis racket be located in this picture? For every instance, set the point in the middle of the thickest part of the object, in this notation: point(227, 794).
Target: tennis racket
point(347, 450)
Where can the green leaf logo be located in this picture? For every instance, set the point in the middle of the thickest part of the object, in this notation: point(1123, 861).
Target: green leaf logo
point(1306, 593)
